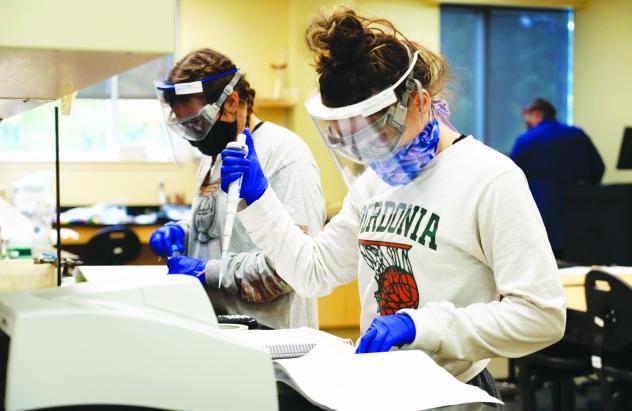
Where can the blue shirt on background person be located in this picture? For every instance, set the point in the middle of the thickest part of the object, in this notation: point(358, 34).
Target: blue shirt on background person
point(553, 156)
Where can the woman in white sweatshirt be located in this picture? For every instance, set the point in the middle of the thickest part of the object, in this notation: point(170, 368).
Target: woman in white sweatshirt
point(442, 233)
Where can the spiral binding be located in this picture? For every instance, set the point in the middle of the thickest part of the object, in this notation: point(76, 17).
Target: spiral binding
point(284, 351)
point(295, 350)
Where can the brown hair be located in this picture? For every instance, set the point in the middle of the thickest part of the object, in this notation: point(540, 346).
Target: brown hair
point(203, 63)
point(357, 57)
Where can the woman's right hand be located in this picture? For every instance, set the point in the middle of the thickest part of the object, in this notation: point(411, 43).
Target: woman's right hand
point(167, 239)
point(234, 165)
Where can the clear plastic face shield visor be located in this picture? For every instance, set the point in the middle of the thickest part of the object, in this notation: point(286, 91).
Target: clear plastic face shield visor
point(193, 126)
point(366, 132)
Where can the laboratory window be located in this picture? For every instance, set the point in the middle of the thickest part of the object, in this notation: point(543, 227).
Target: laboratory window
point(501, 58)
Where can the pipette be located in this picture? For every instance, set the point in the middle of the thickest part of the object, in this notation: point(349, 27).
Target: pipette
point(231, 207)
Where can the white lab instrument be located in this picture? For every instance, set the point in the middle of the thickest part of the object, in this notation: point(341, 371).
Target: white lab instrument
point(231, 207)
point(149, 344)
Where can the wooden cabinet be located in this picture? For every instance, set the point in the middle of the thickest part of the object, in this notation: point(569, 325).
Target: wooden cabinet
point(340, 309)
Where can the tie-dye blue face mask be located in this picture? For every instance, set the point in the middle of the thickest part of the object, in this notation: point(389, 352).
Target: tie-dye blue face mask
point(407, 163)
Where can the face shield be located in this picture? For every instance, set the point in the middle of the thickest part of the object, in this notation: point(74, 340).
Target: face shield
point(368, 130)
point(365, 133)
point(196, 125)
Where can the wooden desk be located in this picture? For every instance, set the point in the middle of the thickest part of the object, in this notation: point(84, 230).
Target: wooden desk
point(341, 308)
point(579, 325)
point(86, 232)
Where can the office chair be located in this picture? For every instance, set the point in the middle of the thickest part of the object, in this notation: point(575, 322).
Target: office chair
point(609, 305)
point(558, 365)
point(115, 245)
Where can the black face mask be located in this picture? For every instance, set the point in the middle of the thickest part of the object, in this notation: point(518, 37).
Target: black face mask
point(217, 138)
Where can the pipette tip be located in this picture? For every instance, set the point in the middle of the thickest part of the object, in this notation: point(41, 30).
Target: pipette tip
point(223, 265)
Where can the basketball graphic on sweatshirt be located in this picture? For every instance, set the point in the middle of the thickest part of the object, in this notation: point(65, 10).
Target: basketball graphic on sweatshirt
point(396, 285)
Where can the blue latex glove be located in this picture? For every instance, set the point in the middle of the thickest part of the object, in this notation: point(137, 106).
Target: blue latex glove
point(387, 331)
point(234, 165)
point(181, 264)
point(167, 239)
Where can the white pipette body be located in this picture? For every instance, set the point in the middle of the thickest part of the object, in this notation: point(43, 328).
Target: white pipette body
point(231, 207)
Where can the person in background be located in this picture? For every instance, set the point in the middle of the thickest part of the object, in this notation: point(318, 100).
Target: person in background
point(553, 156)
point(435, 228)
point(207, 101)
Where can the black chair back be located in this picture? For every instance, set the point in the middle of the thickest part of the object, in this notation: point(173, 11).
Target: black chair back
point(609, 303)
point(115, 245)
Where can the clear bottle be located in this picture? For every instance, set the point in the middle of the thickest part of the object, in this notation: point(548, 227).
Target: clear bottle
point(32, 197)
point(42, 226)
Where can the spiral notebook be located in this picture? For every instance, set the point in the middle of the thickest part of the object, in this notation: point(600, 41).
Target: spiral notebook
point(292, 342)
point(327, 372)
point(333, 377)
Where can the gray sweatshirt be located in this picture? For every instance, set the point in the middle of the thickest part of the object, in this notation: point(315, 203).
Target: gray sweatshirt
point(250, 285)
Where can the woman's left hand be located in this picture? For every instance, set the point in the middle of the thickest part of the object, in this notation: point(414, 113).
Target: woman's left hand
point(387, 331)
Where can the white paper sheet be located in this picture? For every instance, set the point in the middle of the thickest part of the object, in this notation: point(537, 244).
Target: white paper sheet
point(120, 273)
point(333, 376)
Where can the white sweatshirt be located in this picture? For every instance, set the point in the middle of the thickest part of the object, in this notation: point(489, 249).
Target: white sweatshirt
point(442, 249)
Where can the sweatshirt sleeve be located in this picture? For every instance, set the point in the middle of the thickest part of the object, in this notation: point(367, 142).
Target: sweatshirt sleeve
point(249, 275)
point(252, 275)
point(531, 313)
point(311, 266)
point(297, 186)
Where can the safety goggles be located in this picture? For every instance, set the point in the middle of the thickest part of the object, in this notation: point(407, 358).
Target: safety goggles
point(369, 130)
point(195, 126)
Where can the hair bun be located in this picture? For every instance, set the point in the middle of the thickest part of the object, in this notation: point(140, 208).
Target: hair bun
point(340, 40)
point(348, 40)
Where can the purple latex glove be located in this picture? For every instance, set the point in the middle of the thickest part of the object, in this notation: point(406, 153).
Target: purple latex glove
point(387, 331)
